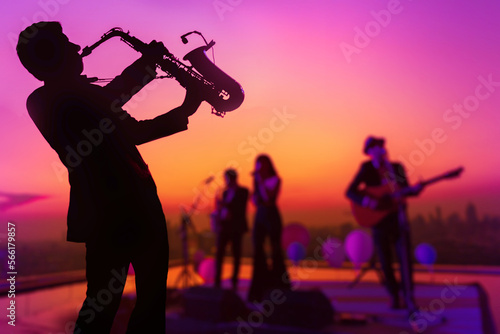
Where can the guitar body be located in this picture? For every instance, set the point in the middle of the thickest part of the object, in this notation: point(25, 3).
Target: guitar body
point(367, 217)
point(219, 218)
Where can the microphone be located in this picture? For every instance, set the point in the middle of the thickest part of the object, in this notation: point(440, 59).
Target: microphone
point(183, 37)
point(209, 179)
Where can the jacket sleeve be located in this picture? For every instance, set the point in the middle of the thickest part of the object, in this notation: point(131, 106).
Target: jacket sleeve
point(121, 89)
point(130, 81)
point(353, 192)
point(402, 179)
point(161, 126)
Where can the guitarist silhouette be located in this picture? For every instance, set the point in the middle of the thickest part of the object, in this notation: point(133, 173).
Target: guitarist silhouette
point(392, 229)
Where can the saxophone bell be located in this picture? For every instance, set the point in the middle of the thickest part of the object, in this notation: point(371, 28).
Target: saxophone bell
point(226, 93)
point(221, 91)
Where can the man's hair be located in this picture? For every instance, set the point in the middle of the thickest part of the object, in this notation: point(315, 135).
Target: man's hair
point(231, 174)
point(41, 49)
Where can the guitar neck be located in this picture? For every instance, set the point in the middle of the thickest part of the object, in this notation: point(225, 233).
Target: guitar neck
point(451, 174)
point(368, 217)
point(433, 180)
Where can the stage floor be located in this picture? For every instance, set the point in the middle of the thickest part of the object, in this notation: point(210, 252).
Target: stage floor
point(450, 303)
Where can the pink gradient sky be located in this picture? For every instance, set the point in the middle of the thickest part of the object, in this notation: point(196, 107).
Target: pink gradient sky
point(402, 82)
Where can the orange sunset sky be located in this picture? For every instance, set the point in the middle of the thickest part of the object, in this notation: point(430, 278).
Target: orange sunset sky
point(318, 76)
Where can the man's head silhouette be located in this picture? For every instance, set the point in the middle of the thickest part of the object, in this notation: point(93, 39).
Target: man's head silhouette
point(47, 53)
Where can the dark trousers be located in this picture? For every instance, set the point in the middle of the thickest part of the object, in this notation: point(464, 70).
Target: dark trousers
point(106, 271)
point(223, 239)
point(389, 234)
point(264, 277)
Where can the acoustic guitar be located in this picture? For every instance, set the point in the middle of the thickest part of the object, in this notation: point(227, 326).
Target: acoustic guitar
point(391, 198)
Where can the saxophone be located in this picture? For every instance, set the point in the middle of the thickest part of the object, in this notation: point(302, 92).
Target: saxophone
point(221, 91)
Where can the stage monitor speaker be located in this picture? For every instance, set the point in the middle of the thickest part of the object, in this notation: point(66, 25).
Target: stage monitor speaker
point(306, 308)
point(213, 304)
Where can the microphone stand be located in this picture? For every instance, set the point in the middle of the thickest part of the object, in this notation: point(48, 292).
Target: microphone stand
point(186, 276)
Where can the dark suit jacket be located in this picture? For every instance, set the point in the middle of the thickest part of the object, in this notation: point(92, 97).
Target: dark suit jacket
point(112, 192)
point(369, 176)
point(237, 207)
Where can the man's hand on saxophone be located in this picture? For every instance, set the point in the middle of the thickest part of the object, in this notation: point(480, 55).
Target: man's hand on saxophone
point(192, 100)
point(154, 52)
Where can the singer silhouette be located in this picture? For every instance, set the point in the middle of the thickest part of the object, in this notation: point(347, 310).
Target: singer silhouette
point(114, 207)
point(267, 223)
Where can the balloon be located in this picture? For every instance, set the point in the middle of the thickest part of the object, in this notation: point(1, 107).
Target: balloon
point(425, 254)
point(333, 252)
point(359, 247)
point(296, 252)
point(198, 258)
point(207, 270)
point(295, 232)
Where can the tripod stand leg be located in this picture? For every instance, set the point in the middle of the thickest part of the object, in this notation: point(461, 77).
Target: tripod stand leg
point(372, 265)
point(186, 276)
point(185, 279)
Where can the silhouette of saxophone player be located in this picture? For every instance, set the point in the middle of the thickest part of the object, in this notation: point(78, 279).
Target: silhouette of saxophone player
point(114, 207)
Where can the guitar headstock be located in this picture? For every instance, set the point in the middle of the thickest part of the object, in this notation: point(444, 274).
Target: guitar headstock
point(454, 173)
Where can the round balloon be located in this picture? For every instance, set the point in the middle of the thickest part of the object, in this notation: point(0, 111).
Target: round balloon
point(296, 252)
point(207, 270)
point(333, 252)
point(359, 247)
point(295, 232)
point(425, 254)
point(198, 258)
